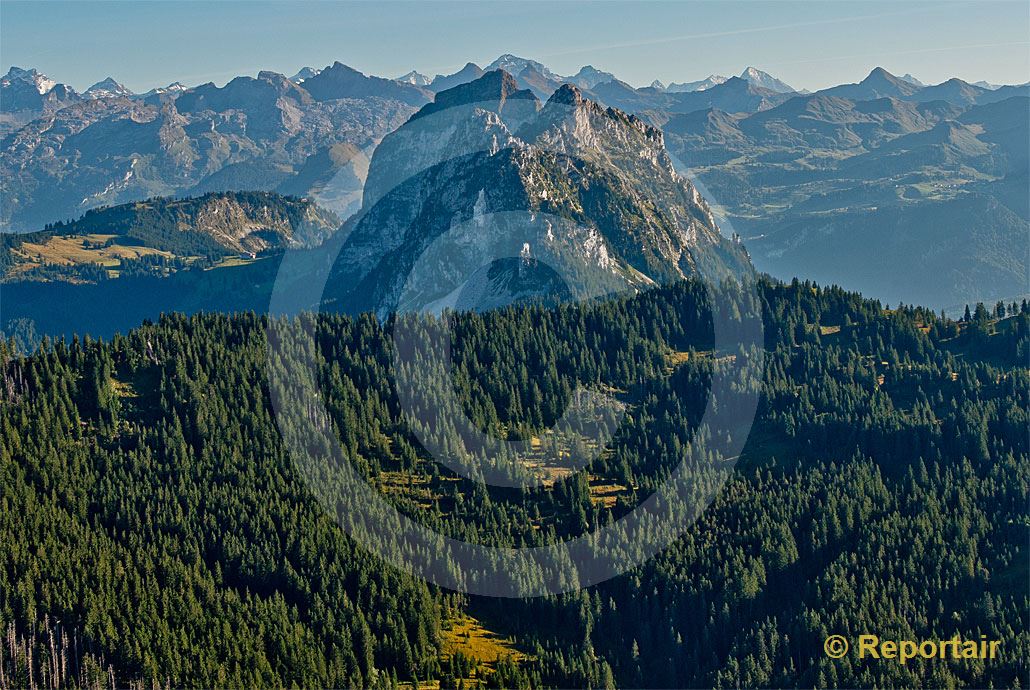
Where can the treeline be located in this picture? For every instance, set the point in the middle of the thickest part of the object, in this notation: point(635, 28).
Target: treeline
point(148, 500)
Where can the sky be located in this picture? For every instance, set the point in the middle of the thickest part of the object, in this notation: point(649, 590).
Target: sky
point(806, 44)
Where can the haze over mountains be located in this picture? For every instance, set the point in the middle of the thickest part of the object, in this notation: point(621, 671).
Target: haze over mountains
point(885, 162)
point(574, 186)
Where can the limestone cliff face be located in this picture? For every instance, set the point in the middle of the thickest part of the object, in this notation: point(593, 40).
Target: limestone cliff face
point(490, 171)
point(253, 223)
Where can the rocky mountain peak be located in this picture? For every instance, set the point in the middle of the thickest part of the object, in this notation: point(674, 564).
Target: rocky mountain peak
point(341, 81)
point(273, 77)
point(107, 88)
point(765, 80)
point(41, 82)
point(513, 64)
point(567, 94)
point(283, 86)
point(621, 214)
point(31, 91)
point(304, 73)
point(174, 89)
point(735, 83)
point(414, 78)
point(496, 88)
point(578, 126)
point(469, 72)
point(686, 87)
point(879, 75)
point(589, 76)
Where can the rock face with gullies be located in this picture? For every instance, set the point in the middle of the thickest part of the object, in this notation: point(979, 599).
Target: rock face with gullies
point(254, 222)
point(496, 174)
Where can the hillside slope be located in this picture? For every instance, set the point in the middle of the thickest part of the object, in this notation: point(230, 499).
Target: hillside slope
point(174, 534)
point(173, 233)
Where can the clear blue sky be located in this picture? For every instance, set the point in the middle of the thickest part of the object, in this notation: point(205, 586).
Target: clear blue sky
point(807, 44)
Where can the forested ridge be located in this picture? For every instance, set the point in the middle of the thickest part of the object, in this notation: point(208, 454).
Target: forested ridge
point(186, 232)
point(148, 502)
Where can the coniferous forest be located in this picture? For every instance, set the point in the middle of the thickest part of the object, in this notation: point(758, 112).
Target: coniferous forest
point(156, 529)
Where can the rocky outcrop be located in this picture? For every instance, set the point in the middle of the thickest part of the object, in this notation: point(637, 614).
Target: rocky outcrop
point(486, 172)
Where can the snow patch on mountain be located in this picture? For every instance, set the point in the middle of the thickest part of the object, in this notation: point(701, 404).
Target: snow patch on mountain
point(41, 82)
point(415, 78)
point(107, 88)
point(765, 80)
point(515, 65)
point(702, 85)
point(304, 73)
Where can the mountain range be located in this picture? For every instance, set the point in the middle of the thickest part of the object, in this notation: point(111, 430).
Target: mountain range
point(62, 153)
point(900, 197)
point(265, 133)
point(484, 175)
point(785, 169)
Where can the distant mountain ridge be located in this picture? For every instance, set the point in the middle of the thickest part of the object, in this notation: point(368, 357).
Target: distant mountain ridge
point(261, 133)
point(706, 83)
point(340, 81)
point(470, 72)
point(785, 166)
point(900, 191)
point(588, 77)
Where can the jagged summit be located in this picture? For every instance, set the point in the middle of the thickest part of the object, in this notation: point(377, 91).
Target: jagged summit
point(29, 90)
point(567, 94)
point(620, 214)
point(39, 81)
